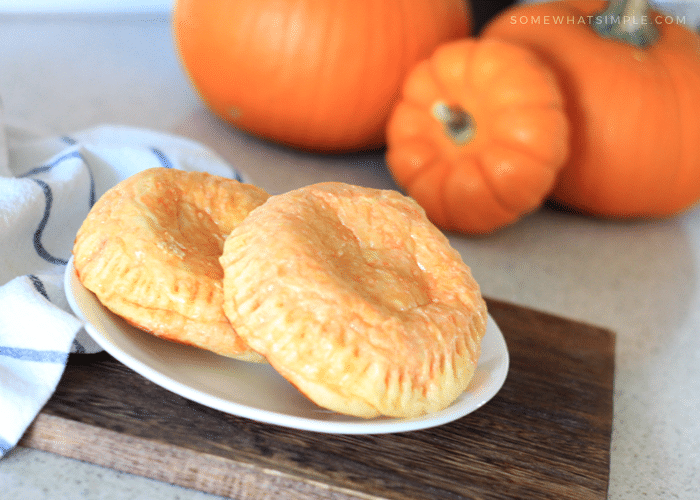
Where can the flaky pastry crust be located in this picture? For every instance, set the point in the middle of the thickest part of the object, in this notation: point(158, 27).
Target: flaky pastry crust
point(355, 298)
point(149, 249)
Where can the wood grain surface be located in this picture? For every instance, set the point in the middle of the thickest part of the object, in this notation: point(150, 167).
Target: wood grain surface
point(546, 434)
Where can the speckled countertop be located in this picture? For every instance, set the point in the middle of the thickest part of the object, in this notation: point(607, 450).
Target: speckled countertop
point(640, 279)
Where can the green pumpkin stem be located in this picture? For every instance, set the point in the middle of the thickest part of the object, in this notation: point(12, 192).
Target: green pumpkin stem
point(627, 21)
point(459, 125)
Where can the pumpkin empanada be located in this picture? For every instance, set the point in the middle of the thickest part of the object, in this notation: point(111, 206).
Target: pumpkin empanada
point(356, 298)
point(149, 249)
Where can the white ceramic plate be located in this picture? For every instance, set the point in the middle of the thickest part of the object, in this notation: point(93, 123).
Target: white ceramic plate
point(257, 391)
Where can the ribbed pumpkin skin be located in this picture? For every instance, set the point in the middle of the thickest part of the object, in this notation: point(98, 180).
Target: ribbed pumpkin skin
point(519, 144)
point(634, 112)
point(319, 75)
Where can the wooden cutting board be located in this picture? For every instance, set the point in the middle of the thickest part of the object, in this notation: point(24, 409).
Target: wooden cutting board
point(546, 434)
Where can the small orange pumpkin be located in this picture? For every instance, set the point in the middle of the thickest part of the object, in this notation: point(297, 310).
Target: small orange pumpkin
point(631, 81)
point(479, 134)
point(318, 75)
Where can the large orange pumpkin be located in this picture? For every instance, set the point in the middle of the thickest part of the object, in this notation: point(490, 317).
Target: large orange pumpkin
point(479, 134)
point(632, 91)
point(313, 74)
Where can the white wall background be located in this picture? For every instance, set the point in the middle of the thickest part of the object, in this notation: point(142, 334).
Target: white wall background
point(688, 8)
point(84, 6)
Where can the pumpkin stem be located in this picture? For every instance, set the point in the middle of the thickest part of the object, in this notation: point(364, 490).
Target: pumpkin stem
point(459, 125)
point(627, 21)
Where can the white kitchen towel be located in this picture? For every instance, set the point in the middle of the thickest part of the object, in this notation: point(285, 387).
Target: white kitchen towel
point(47, 186)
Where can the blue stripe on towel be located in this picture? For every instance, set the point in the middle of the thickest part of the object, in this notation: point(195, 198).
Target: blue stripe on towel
point(35, 355)
point(38, 286)
point(91, 200)
point(38, 246)
point(162, 158)
point(77, 347)
point(4, 446)
point(56, 162)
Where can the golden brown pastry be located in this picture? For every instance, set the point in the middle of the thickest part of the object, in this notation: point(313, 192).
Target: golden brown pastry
point(149, 249)
point(355, 298)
